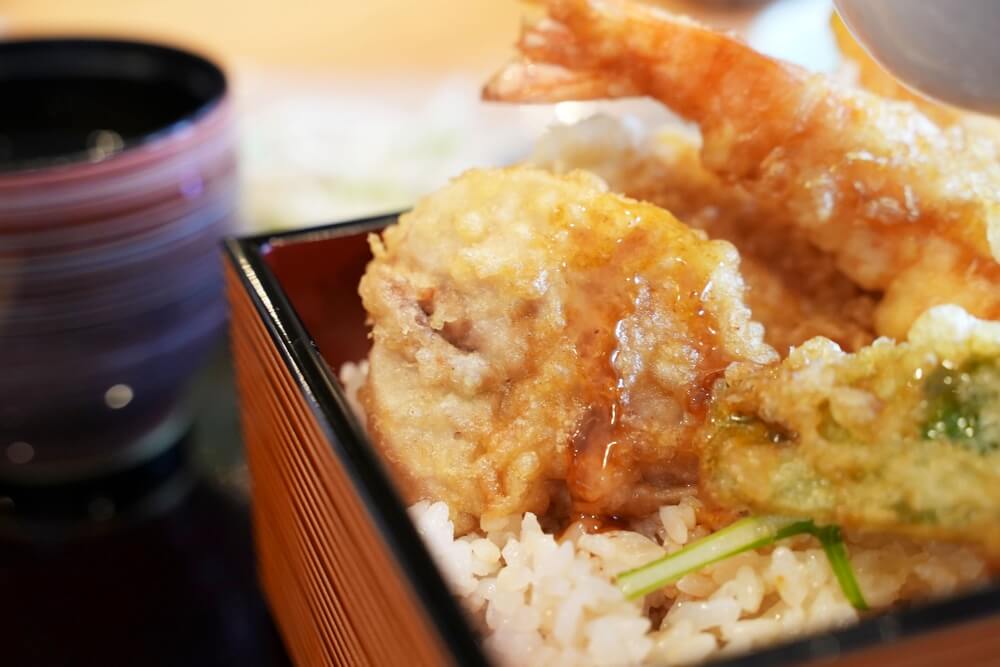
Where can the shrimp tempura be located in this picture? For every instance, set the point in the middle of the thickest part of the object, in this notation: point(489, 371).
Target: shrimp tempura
point(906, 208)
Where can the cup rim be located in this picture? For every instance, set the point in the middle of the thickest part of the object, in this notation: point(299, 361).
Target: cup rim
point(38, 51)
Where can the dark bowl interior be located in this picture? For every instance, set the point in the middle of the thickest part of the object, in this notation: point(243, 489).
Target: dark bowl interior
point(320, 279)
point(76, 100)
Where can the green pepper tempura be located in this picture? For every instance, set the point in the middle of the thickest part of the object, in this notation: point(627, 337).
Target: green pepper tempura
point(901, 438)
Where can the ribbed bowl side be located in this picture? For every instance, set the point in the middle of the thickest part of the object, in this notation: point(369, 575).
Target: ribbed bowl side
point(338, 594)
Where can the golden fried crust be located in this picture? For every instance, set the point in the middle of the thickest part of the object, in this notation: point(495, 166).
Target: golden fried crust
point(899, 438)
point(534, 334)
point(795, 290)
point(892, 197)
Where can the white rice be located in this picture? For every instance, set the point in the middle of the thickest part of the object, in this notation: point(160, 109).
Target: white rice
point(540, 599)
point(543, 599)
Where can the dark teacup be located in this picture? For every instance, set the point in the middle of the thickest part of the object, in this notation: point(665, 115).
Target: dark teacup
point(117, 180)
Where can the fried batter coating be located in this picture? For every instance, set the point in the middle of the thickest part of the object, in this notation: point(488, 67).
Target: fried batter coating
point(905, 207)
point(534, 334)
point(898, 438)
point(793, 289)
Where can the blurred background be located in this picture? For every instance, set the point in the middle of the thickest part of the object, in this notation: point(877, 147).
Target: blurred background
point(349, 108)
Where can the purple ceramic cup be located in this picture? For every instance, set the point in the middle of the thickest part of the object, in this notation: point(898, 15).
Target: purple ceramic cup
point(117, 180)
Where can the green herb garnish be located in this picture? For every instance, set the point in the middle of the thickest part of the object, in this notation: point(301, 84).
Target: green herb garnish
point(836, 553)
point(743, 535)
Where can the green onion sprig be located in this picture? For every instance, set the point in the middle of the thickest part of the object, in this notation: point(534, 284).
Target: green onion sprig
point(743, 535)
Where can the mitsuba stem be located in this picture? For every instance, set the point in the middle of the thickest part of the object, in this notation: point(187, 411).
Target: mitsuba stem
point(743, 535)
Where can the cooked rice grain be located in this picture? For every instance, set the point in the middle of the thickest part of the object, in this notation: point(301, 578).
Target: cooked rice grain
point(540, 600)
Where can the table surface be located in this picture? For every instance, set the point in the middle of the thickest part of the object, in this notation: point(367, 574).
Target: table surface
point(163, 574)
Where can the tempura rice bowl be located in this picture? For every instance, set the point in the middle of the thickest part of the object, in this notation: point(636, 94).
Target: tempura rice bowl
point(550, 599)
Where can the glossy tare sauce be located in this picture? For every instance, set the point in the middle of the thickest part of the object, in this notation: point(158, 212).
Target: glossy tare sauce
point(632, 449)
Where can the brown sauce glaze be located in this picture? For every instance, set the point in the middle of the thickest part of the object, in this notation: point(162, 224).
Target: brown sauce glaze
point(597, 523)
point(615, 463)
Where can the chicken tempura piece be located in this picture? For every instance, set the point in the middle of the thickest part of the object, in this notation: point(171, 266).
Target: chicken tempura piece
point(793, 289)
point(905, 207)
point(535, 335)
point(895, 438)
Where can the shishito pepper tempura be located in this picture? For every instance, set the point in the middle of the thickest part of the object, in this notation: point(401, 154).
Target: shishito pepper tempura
point(901, 438)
